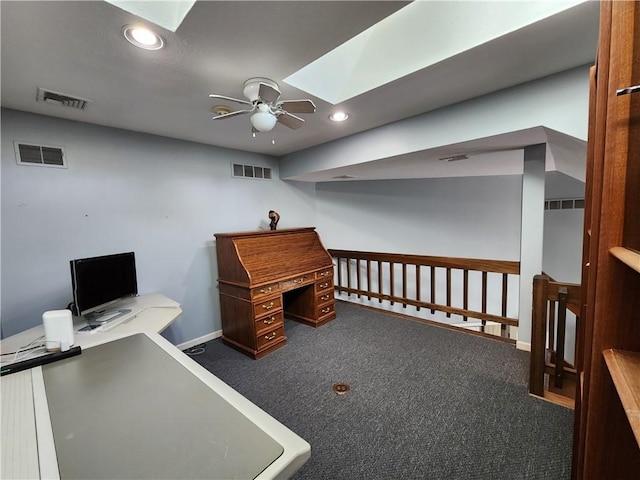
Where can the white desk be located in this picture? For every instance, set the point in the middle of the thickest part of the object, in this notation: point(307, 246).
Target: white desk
point(150, 313)
point(28, 446)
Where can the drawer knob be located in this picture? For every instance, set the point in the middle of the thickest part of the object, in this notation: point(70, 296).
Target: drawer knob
point(324, 274)
point(324, 297)
point(268, 306)
point(271, 336)
point(298, 280)
point(326, 310)
point(324, 285)
point(269, 321)
point(266, 290)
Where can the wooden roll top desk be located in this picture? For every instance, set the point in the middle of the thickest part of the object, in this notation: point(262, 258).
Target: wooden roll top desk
point(265, 275)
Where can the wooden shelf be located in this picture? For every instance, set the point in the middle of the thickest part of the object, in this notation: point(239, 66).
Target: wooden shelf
point(627, 256)
point(624, 367)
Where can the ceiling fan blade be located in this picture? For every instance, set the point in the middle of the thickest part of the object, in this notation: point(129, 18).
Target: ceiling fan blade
point(231, 114)
point(290, 121)
point(268, 93)
point(223, 97)
point(298, 106)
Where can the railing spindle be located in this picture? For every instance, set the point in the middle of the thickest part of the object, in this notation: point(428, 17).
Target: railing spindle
point(465, 292)
point(562, 317)
point(418, 286)
point(404, 283)
point(484, 299)
point(448, 291)
point(349, 276)
point(380, 281)
point(432, 273)
point(358, 274)
point(368, 278)
point(391, 280)
point(505, 281)
point(551, 327)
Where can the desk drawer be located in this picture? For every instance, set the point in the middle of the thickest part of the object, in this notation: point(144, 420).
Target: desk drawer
point(266, 339)
point(266, 306)
point(296, 282)
point(323, 285)
point(324, 298)
point(269, 322)
point(258, 293)
point(327, 273)
point(326, 310)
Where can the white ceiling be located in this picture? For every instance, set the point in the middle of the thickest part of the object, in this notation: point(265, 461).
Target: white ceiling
point(77, 48)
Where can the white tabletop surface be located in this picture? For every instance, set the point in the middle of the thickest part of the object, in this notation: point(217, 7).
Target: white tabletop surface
point(28, 449)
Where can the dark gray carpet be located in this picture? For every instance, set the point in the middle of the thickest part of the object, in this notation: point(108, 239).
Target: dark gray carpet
point(425, 402)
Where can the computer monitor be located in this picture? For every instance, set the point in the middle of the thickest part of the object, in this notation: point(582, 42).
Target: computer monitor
point(100, 282)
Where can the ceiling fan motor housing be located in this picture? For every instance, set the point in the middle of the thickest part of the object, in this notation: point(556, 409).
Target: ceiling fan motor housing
point(252, 87)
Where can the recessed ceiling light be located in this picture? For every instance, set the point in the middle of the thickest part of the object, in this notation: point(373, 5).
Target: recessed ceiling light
point(221, 109)
point(338, 116)
point(142, 37)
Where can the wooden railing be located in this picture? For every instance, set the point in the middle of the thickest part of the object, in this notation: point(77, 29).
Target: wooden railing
point(551, 301)
point(419, 280)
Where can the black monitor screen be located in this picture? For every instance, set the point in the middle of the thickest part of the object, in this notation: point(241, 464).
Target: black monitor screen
point(98, 281)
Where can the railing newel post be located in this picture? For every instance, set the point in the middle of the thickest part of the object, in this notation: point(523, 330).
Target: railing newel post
point(538, 334)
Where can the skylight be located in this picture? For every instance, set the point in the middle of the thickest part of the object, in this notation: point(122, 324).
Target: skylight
point(416, 36)
point(167, 14)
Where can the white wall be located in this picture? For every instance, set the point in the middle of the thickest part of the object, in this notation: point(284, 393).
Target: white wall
point(125, 191)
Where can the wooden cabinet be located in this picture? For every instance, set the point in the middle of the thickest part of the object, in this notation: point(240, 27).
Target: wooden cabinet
point(265, 275)
point(607, 417)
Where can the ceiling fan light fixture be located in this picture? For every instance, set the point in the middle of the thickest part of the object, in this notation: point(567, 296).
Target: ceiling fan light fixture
point(263, 120)
point(338, 116)
point(143, 37)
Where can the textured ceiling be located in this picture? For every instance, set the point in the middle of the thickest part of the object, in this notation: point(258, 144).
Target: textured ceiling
point(77, 48)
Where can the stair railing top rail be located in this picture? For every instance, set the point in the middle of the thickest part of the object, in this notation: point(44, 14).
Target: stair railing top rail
point(493, 266)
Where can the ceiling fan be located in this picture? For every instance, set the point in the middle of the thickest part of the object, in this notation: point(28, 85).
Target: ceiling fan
point(262, 99)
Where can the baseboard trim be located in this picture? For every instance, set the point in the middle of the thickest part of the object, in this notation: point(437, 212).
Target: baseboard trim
point(523, 346)
point(199, 340)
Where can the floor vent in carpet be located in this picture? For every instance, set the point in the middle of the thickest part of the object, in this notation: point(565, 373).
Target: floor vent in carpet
point(340, 388)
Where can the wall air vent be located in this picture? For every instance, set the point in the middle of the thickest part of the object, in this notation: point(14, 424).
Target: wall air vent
point(40, 155)
point(63, 99)
point(250, 171)
point(564, 204)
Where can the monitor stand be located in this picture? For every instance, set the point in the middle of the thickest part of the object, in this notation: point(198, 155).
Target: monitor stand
point(105, 316)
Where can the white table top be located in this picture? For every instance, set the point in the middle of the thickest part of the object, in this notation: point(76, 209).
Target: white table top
point(28, 448)
point(150, 313)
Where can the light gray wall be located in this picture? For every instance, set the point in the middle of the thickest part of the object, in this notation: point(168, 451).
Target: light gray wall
point(476, 217)
point(562, 252)
point(165, 198)
point(125, 191)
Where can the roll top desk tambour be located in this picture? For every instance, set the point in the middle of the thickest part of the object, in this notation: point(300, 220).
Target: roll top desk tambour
point(265, 275)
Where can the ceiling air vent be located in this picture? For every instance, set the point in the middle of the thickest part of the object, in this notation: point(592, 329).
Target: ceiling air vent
point(40, 155)
point(63, 99)
point(345, 177)
point(454, 158)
